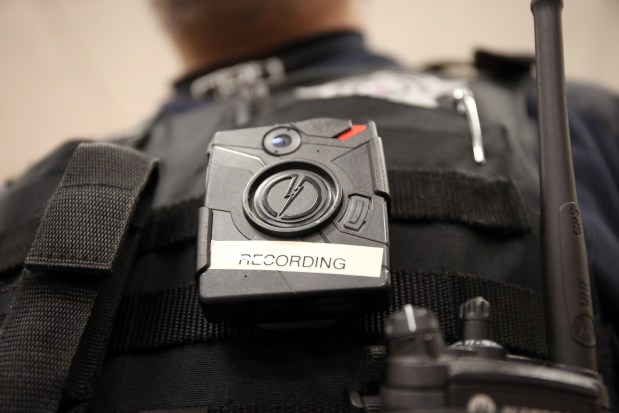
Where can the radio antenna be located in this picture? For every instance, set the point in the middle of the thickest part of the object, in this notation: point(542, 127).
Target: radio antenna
point(569, 315)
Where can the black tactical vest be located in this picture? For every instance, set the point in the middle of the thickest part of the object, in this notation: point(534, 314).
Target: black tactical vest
point(458, 229)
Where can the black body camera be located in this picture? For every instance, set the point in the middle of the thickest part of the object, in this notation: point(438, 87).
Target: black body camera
point(294, 225)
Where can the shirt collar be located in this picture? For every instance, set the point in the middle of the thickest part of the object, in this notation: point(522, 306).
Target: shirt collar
point(334, 49)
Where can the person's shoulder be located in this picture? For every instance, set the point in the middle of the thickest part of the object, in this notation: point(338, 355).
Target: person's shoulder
point(25, 197)
point(599, 106)
point(51, 164)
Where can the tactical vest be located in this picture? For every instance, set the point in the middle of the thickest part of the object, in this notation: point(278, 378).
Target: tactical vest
point(129, 334)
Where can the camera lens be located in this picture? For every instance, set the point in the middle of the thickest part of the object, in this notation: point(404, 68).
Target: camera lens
point(281, 141)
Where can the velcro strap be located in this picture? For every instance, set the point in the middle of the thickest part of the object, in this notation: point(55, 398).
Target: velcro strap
point(490, 203)
point(53, 340)
point(153, 320)
point(85, 220)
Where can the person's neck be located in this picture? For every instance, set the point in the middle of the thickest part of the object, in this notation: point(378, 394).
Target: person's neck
point(250, 42)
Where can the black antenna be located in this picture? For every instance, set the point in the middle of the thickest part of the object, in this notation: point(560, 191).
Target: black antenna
point(569, 314)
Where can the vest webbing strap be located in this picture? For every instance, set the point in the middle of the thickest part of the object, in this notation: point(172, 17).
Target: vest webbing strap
point(173, 317)
point(487, 203)
point(53, 340)
point(292, 407)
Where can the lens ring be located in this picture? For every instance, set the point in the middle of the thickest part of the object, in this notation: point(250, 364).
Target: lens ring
point(281, 141)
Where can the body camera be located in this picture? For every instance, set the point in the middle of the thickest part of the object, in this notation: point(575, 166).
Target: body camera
point(294, 225)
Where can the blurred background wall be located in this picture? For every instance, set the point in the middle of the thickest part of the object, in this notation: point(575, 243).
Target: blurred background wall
point(83, 68)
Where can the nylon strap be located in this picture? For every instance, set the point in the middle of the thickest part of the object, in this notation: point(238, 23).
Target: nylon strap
point(173, 317)
point(487, 203)
point(490, 203)
point(292, 407)
point(517, 312)
point(54, 338)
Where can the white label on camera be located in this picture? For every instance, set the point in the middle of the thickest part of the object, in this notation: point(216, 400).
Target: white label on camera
point(297, 257)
